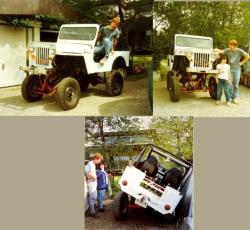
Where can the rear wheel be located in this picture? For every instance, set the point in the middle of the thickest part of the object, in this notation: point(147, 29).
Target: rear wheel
point(248, 81)
point(174, 89)
point(212, 87)
point(169, 218)
point(67, 93)
point(245, 80)
point(169, 76)
point(29, 85)
point(120, 206)
point(114, 83)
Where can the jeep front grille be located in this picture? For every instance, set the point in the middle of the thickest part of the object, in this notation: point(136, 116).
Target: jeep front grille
point(201, 60)
point(42, 56)
point(151, 186)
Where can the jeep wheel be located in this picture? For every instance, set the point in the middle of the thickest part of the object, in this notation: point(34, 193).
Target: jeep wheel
point(169, 76)
point(29, 84)
point(174, 89)
point(169, 218)
point(67, 93)
point(84, 83)
point(120, 206)
point(212, 87)
point(114, 83)
point(245, 80)
point(248, 81)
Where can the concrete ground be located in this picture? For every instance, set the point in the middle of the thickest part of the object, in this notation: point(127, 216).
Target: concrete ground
point(197, 104)
point(93, 102)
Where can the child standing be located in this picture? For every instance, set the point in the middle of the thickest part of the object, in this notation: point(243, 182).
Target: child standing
point(102, 185)
point(223, 80)
point(90, 170)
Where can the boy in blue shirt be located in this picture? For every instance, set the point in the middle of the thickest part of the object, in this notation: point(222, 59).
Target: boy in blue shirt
point(102, 185)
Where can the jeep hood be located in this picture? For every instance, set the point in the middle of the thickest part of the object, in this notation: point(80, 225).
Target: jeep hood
point(73, 48)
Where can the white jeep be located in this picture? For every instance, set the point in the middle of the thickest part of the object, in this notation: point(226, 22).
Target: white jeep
point(157, 179)
point(74, 66)
point(192, 66)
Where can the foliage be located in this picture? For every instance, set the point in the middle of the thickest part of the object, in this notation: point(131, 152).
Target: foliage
point(47, 22)
point(220, 20)
point(18, 21)
point(51, 22)
point(101, 11)
point(174, 134)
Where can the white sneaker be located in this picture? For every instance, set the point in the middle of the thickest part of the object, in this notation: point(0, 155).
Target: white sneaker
point(217, 102)
point(228, 103)
point(235, 101)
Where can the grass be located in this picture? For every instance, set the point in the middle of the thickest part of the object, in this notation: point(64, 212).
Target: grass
point(115, 186)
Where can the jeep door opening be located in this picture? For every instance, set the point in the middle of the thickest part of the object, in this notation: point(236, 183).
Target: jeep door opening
point(192, 66)
point(74, 67)
point(156, 179)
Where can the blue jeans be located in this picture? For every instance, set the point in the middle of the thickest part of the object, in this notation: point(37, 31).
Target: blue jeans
point(100, 197)
point(91, 201)
point(235, 76)
point(104, 48)
point(223, 84)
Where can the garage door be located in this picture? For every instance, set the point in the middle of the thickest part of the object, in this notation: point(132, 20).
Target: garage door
point(12, 55)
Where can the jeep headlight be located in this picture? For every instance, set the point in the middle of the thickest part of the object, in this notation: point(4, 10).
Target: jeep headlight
point(52, 52)
point(189, 54)
point(31, 49)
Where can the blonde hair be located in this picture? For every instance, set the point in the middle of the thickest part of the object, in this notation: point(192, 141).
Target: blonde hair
point(233, 42)
point(97, 156)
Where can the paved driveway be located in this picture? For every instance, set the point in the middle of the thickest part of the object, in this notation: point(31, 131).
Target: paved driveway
point(197, 104)
point(93, 102)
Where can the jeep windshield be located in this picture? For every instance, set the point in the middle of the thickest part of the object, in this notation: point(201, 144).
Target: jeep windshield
point(78, 33)
point(193, 42)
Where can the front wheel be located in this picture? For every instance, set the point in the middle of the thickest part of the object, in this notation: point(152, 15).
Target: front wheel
point(212, 87)
point(114, 83)
point(120, 206)
point(169, 76)
point(174, 89)
point(29, 86)
point(67, 93)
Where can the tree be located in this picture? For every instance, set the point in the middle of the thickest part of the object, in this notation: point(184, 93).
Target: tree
point(175, 134)
point(220, 20)
point(101, 11)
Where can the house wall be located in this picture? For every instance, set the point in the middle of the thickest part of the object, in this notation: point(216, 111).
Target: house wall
point(13, 44)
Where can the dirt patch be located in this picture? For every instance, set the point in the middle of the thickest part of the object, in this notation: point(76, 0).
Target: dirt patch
point(139, 218)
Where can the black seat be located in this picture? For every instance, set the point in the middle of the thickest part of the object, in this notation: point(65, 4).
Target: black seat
point(150, 166)
point(173, 178)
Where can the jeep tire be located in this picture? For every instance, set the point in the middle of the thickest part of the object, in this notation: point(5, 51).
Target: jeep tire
point(114, 83)
point(67, 93)
point(30, 83)
point(169, 76)
point(120, 206)
point(174, 89)
point(84, 83)
point(212, 87)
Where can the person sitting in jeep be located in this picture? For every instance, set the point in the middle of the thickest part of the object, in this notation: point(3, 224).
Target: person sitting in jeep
point(107, 39)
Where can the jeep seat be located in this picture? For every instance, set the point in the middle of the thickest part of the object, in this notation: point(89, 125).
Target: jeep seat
point(150, 166)
point(172, 178)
